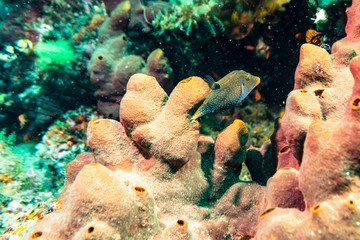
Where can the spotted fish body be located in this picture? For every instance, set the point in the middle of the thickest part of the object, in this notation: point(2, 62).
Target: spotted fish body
point(228, 91)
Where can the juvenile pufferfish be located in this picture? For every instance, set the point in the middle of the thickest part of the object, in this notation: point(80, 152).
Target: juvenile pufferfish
point(228, 91)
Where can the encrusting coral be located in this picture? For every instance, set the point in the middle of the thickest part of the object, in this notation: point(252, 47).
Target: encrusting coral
point(143, 179)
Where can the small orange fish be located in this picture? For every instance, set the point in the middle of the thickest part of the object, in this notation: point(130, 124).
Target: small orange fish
point(300, 35)
point(249, 47)
point(22, 120)
point(282, 113)
point(233, 117)
point(261, 49)
point(257, 95)
point(314, 37)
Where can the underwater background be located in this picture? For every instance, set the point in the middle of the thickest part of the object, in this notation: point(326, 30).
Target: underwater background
point(76, 91)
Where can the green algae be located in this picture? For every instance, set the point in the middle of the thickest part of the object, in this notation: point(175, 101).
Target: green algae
point(54, 53)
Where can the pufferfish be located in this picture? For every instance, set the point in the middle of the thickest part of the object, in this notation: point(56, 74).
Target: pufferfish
point(227, 92)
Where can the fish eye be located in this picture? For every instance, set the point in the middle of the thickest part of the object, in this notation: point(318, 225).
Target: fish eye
point(248, 77)
point(216, 86)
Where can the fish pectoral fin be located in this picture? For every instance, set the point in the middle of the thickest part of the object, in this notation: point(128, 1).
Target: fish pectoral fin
point(242, 96)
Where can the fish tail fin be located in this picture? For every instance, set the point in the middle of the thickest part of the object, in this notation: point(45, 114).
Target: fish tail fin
point(195, 116)
point(209, 80)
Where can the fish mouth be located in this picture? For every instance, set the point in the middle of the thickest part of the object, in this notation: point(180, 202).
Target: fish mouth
point(257, 81)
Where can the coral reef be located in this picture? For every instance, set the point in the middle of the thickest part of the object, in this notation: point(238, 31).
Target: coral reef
point(192, 13)
point(268, 7)
point(320, 128)
point(120, 161)
point(65, 139)
point(144, 179)
point(128, 16)
point(152, 149)
point(239, 17)
point(18, 171)
point(28, 81)
point(95, 22)
point(329, 15)
point(111, 66)
point(199, 52)
point(31, 176)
